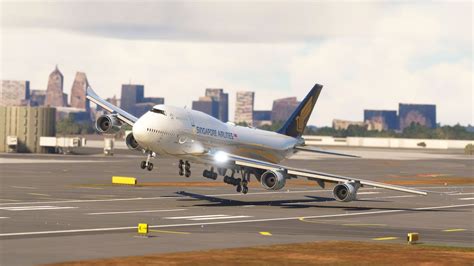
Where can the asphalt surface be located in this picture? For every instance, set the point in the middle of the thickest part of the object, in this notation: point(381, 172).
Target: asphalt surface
point(56, 208)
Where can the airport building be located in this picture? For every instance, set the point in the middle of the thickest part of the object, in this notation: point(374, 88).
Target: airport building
point(244, 107)
point(222, 99)
point(14, 92)
point(22, 127)
point(423, 114)
point(283, 108)
point(388, 118)
point(55, 97)
point(339, 124)
point(208, 105)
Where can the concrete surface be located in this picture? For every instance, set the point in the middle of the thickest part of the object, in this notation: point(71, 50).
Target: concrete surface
point(56, 208)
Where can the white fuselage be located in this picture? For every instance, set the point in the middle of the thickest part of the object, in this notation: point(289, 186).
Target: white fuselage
point(185, 133)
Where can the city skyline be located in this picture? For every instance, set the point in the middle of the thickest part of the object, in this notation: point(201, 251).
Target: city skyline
point(375, 57)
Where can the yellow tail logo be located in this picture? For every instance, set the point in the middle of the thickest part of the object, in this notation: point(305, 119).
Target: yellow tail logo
point(304, 115)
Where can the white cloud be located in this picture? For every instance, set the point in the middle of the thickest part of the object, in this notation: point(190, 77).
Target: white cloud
point(365, 55)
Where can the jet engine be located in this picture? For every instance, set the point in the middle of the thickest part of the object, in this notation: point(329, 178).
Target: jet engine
point(108, 124)
point(345, 192)
point(132, 143)
point(273, 180)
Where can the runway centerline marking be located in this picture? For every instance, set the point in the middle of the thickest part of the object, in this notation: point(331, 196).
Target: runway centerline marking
point(23, 187)
point(454, 230)
point(35, 208)
point(466, 199)
point(143, 211)
point(226, 222)
point(4, 217)
point(220, 218)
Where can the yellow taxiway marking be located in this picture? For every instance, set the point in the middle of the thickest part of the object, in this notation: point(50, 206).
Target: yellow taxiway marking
point(364, 225)
point(169, 232)
point(39, 194)
point(454, 230)
point(265, 233)
point(385, 238)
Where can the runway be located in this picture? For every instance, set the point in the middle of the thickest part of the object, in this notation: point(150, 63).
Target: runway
point(57, 208)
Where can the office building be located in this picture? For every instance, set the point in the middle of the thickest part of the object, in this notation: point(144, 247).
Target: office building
point(283, 108)
point(131, 95)
point(78, 92)
point(388, 118)
point(207, 105)
point(55, 97)
point(14, 92)
point(222, 99)
point(37, 97)
point(244, 107)
point(423, 114)
point(262, 118)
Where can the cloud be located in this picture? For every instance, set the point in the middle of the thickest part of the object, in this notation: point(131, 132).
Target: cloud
point(366, 55)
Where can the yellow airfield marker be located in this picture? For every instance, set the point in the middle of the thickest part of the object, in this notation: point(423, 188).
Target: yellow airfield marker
point(454, 230)
point(412, 238)
point(265, 233)
point(385, 238)
point(124, 180)
point(142, 229)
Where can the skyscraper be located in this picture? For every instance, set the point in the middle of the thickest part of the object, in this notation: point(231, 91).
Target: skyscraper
point(388, 118)
point(244, 107)
point(222, 99)
point(14, 92)
point(54, 92)
point(423, 114)
point(78, 92)
point(131, 95)
point(283, 108)
point(207, 105)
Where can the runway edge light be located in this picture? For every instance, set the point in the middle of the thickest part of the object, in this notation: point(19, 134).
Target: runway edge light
point(412, 238)
point(124, 180)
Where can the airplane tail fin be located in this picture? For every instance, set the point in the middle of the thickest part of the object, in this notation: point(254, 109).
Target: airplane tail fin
point(296, 124)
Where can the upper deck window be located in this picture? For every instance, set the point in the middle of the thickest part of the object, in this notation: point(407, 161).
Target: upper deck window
point(158, 111)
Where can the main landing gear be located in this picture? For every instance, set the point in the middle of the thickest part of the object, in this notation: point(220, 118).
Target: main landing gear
point(146, 164)
point(240, 183)
point(210, 174)
point(184, 168)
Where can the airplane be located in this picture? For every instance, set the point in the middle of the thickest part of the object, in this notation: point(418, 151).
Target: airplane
point(226, 148)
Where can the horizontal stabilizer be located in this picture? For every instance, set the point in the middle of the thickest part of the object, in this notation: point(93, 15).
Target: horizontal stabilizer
point(310, 149)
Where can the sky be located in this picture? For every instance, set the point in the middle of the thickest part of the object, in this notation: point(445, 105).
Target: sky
point(367, 55)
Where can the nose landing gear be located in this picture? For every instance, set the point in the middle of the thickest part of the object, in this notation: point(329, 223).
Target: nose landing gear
point(146, 164)
point(184, 168)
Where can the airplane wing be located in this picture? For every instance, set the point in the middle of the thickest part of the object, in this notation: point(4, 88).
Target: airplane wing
point(311, 149)
point(309, 174)
point(121, 114)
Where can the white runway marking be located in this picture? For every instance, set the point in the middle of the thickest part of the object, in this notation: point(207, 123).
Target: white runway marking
point(23, 187)
point(4, 217)
point(220, 218)
point(466, 199)
point(209, 195)
point(392, 197)
point(35, 208)
point(126, 212)
point(461, 194)
point(228, 222)
point(367, 193)
point(195, 216)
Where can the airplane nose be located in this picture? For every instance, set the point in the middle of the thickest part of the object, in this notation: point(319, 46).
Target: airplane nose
point(139, 131)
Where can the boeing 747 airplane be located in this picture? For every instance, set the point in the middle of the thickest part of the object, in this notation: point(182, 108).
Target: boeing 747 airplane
point(228, 149)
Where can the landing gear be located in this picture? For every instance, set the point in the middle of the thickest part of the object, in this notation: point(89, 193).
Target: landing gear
point(210, 174)
point(241, 184)
point(184, 168)
point(146, 164)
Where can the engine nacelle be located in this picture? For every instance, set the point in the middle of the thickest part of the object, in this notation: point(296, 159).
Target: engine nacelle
point(132, 143)
point(273, 180)
point(108, 124)
point(345, 192)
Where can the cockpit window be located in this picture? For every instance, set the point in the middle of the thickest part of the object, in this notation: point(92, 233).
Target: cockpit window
point(158, 111)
